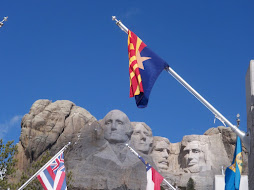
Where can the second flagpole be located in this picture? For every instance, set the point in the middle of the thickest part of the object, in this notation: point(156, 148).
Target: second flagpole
point(46, 165)
point(134, 152)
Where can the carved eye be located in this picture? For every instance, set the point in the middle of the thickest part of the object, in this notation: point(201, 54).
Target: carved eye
point(146, 133)
point(196, 151)
point(186, 152)
point(108, 122)
point(159, 149)
point(119, 122)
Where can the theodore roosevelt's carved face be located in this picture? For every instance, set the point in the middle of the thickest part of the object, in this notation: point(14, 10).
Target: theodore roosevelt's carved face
point(160, 152)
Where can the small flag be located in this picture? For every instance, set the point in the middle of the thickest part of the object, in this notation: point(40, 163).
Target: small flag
point(53, 177)
point(144, 68)
point(154, 179)
point(233, 172)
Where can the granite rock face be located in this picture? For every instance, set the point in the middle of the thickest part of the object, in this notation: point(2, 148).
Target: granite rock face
point(49, 126)
point(102, 157)
point(99, 159)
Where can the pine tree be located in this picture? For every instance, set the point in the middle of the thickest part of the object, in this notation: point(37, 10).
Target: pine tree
point(190, 184)
point(34, 184)
point(7, 163)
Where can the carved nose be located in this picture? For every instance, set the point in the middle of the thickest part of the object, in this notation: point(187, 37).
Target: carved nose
point(190, 156)
point(164, 153)
point(143, 137)
point(113, 126)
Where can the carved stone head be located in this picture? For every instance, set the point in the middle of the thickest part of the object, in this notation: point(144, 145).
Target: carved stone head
point(195, 150)
point(117, 127)
point(160, 152)
point(142, 137)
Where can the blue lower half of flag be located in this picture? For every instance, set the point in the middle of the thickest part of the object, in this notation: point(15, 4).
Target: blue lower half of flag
point(152, 69)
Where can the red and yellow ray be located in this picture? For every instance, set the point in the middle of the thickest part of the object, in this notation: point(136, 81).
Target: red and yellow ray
point(135, 46)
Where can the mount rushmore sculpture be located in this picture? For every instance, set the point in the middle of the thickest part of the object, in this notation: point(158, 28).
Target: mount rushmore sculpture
point(99, 159)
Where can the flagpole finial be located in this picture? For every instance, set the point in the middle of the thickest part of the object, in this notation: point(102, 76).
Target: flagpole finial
point(113, 17)
point(238, 119)
point(66, 146)
point(120, 24)
point(4, 20)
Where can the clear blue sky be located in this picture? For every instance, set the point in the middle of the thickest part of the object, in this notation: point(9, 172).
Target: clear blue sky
point(72, 50)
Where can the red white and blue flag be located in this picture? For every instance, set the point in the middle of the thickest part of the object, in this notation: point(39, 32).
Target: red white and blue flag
point(154, 179)
point(53, 177)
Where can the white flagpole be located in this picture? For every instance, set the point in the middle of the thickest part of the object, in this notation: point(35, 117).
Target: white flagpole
point(245, 137)
point(44, 167)
point(134, 152)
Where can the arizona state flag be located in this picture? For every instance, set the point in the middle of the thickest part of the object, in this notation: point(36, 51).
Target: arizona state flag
point(233, 172)
point(144, 68)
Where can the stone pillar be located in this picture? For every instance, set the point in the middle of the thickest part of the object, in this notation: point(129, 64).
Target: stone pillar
point(249, 85)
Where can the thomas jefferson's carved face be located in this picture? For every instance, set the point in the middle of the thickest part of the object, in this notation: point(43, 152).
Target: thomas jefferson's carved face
point(160, 154)
point(141, 138)
point(117, 127)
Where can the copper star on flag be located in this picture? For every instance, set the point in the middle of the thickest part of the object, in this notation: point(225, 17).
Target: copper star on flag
point(140, 60)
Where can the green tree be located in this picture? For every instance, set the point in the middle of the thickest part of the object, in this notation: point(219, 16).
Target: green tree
point(190, 184)
point(8, 168)
point(7, 163)
point(35, 166)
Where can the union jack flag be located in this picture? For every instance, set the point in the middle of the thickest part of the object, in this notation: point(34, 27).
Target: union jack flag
point(53, 177)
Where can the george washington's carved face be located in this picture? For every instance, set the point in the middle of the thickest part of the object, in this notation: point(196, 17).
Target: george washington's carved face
point(117, 126)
